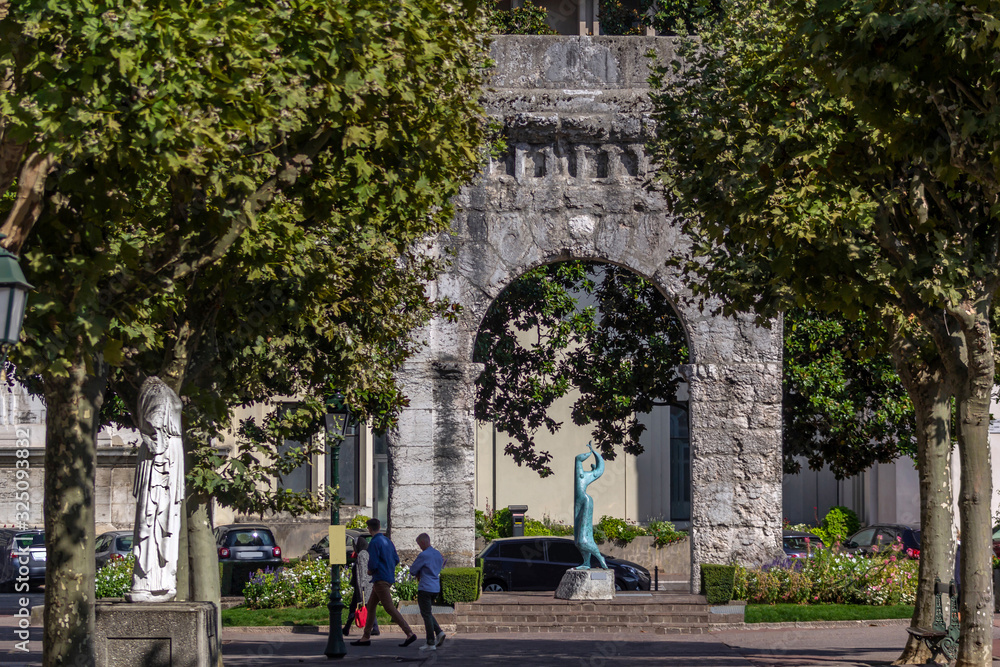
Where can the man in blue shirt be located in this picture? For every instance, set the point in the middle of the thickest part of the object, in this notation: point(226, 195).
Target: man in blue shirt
point(427, 569)
point(382, 561)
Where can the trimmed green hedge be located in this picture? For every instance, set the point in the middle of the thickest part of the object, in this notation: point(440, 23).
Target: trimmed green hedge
point(460, 584)
point(718, 583)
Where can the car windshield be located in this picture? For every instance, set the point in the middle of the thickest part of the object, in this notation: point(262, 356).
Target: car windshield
point(799, 543)
point(27, 540)
point(123, 543)
point(250, 538)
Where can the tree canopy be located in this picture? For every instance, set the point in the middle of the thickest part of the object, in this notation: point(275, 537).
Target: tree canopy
point(225, 194)
point(803, 186)
point(597, 328)
point(607, 333)
point(843, 404)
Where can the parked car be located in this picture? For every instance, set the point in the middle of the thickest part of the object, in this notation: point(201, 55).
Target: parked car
point(795, 546)
point(538, 564)
point(13, 544)
point(321, 550)
point(883, 535)
point(250, 544)
point(112, 546)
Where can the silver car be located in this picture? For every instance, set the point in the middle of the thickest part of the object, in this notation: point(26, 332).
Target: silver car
point(22, 559)
point(112, 546)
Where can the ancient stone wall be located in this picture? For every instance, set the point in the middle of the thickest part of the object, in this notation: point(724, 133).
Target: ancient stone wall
point(574, 184)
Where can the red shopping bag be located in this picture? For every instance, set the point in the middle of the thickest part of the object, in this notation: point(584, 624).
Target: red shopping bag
point(361, 616)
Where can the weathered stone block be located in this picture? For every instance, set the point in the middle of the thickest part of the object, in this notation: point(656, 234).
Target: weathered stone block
point(594, 584)
point(164, 634)
point(577, 114)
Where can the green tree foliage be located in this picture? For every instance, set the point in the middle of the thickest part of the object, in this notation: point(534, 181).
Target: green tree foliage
point(843, 404)
point(621, 353)
point(528, 19)
point(667, 17)
point(802, 146)
point(201, 173)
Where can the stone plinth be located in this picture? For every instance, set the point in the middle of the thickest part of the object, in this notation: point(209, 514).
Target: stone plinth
point(587, 585)
point(160, 634)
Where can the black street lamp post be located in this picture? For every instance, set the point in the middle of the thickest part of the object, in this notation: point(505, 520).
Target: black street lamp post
point(336, 422)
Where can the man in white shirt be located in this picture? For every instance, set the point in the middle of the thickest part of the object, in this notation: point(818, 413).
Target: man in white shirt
point(427, 570)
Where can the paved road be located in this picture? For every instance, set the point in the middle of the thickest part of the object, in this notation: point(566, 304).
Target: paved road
point(11, 602)
point(846, 645)
point(839, 647)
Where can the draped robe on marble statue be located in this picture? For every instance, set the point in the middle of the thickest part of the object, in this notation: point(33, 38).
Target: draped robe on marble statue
point(159, 489)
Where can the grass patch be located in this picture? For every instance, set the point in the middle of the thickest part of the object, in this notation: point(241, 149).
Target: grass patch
point(243, 617)
point(787, 613)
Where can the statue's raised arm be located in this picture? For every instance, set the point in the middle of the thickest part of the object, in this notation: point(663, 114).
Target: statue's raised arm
point(583, 507)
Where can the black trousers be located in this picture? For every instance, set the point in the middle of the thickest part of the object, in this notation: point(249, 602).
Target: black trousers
point(424, 602)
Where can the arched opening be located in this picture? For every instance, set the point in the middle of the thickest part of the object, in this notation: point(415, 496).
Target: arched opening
point(580, 351)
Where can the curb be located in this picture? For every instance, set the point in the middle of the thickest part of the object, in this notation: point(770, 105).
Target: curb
point(809, 625)
point(320, 630)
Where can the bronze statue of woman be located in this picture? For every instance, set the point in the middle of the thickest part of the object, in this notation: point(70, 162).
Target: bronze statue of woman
point(583, 508)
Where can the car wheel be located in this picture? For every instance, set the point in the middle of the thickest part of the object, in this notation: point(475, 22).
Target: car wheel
point(494, 586)
point(618, 586)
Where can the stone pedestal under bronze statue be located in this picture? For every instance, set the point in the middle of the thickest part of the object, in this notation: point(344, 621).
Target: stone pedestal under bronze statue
point(589, 584)
point(156, 634)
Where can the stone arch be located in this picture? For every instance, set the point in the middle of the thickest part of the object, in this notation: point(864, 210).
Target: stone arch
point(573, 185)
point(475, 313)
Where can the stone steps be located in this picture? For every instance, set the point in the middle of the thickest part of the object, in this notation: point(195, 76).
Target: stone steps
point(656, 613)
point(673, 629)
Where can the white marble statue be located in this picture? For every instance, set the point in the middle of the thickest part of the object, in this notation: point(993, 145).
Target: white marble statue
point(159, 489)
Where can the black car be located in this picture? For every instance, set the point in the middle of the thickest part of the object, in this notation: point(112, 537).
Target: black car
point(112, 546)
point(248, 544)
point(22, 549)
point(795, 545)
point(884, 535)
point(321, 550)
point(538, 564)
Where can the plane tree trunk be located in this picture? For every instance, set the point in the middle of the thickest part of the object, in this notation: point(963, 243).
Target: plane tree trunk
point(73, 403)
point(927, 387)
point(975, 648)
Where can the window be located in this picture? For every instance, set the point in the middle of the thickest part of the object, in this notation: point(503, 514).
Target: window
point(885, 536)
point(864, 538)
point(680, 465)
point(520, 550)
point(299, 479)
point(564, 551)
point(124, 543)
point(249, 538)
point(380, 468)
point(30, 540)
point(348, 465)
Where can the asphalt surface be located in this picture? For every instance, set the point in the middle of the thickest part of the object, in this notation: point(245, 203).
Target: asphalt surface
point(834, 645)
point(742, 648)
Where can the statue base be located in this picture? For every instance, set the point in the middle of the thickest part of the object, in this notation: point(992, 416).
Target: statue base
point(591, 584)
point(161, 634)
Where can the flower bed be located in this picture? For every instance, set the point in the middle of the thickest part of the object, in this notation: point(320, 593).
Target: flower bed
point(884, 578)
point(307, 584)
